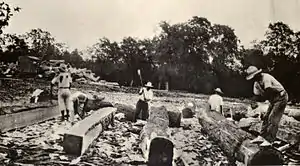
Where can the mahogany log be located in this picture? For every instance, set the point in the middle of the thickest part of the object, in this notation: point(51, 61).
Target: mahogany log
point(235, 141)
point(156, 145)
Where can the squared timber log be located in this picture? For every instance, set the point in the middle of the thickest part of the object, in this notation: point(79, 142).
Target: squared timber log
point(29, 117)
point(77, 140)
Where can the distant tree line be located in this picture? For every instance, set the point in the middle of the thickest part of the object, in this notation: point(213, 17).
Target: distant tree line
point(195, 56)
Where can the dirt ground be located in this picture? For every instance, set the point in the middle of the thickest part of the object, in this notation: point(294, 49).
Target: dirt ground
point(40, 144)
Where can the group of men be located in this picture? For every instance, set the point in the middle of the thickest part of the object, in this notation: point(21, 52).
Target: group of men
point(68, 104)
point(71, 104)
point(265, 87)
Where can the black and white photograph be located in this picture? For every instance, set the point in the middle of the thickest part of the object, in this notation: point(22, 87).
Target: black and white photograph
point(149, 83)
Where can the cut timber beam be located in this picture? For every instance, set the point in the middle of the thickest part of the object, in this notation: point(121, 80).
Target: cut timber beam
point(29, 117)
point(235, 142)
point(82, 134)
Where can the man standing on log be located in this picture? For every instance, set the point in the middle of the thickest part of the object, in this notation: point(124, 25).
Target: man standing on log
point(266, 87)
point(215, 101)
point(146, 95)
point(64, 81)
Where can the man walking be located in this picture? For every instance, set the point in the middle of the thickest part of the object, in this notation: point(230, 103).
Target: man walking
point(266, 87)
point(215, 101)
point(64, 81)
point(146, 95)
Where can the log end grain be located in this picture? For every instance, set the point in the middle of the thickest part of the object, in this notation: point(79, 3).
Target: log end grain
point(267, 156)
point(187, 113)
point(74, 144)
point(161, 152)
point(174, 118)
point(255, 155)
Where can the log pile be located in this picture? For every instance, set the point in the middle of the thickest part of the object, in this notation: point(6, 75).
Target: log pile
point(235, 142)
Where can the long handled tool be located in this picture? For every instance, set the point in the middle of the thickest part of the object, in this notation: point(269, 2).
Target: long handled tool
point(141, 79)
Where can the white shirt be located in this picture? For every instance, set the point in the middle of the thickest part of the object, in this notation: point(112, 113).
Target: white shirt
point(147, 94)
point(63, 79)
point(215, 101)
point(267, 81)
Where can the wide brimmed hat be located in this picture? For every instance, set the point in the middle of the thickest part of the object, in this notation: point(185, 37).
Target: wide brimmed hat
point(218, 90)
point(149, 84)
point(252, 71)
point(62, 67)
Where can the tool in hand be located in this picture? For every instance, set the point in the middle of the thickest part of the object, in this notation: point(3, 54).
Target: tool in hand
point(141, 79)
point(51, 95)
point(139, 73)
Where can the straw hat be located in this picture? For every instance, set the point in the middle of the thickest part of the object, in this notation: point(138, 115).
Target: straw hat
point(62, 67)
point(149, 84)
point(218, 90)
point(252, 71)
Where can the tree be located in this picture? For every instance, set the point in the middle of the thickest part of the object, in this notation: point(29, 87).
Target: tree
point(42, 44)
point(5, 14)
point(13, 46)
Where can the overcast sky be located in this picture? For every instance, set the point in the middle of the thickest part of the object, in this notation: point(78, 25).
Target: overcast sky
point(80, 23)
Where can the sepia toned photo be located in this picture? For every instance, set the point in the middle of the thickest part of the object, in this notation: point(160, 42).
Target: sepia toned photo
point(149, 82)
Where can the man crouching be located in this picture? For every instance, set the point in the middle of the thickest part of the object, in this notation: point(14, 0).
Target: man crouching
point(79, 102)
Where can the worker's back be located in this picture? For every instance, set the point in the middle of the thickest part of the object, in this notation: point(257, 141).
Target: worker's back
point(64, 80)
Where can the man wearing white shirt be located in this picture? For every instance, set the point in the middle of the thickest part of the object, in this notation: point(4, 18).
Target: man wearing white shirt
point(215, 101)
point(64, 81)
point(146, 95)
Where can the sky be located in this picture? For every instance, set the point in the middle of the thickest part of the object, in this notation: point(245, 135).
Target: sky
point(80, 23)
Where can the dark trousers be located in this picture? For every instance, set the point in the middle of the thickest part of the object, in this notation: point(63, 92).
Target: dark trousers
point(141, 107)
point(273, 116)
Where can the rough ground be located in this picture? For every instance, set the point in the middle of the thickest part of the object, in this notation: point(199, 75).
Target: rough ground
point(40, 144)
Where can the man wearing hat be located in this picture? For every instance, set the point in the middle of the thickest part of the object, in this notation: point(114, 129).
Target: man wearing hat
point(79, 101)
point(146, 95)
point(64, 80)
point(215, 101)
point(266, 87)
